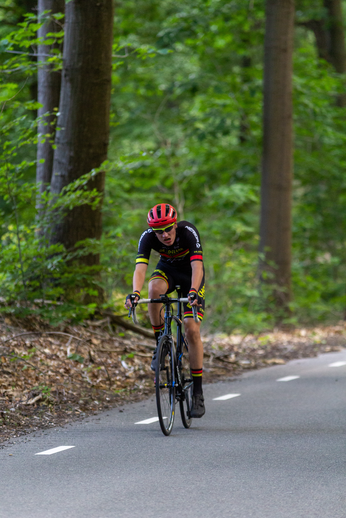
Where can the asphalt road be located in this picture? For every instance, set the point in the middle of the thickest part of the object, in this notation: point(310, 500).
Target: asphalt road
point(273, 447)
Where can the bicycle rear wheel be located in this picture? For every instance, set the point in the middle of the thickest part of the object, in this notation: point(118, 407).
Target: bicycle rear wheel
point(185, 402)
point(165, 389)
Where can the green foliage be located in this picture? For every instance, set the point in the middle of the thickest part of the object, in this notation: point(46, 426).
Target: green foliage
point(186, 128)
point(35, 276)
point(20, 45)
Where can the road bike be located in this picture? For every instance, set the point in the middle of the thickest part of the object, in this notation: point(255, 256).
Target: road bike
point(173, 380)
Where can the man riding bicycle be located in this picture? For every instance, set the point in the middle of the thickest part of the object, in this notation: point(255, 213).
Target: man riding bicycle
point(181, 263)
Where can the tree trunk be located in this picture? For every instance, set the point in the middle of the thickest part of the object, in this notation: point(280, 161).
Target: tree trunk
point(336, 33)
point(48, 93)
point(276, 188)
point(83, 122)
point(321, 37)
point(330, 39)
point(335, 26)
point(244, 126)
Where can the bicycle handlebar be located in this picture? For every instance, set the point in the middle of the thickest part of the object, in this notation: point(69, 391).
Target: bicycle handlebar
point(132, 311)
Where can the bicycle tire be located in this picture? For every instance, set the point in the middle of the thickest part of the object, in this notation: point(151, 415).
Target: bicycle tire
point(185, 402)
point(165, 383)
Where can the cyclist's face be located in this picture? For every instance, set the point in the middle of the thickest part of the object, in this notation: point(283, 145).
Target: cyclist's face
point(168, 238)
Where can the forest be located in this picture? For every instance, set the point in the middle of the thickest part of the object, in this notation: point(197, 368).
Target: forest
point(233, 111)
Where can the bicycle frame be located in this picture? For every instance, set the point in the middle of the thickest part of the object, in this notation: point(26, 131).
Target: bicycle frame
point(168, 317)
point(171, 376)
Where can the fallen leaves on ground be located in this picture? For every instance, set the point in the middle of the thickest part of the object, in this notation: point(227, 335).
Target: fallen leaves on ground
point(49, 376)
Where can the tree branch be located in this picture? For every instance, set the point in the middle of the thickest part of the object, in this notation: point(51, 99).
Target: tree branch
point(127, 325)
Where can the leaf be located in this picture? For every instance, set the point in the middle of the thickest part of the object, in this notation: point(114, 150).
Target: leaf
point(76, 357)
point(164, 52)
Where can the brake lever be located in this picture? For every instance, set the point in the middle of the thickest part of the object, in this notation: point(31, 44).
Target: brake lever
point(133, 306)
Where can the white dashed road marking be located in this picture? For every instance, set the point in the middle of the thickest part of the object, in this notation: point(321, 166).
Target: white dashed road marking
point(55, 450)
point(220, 398)
point(227, 396)
point(337, 364)
point(149, 421)
point(288, 378)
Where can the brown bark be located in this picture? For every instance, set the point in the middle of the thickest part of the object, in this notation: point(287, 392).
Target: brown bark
point(83, 122)
point(276, 188)
point(244, 126)
point(48, 94)
point(336, 32)
point(330, 39)
point(337, 47)
point(321, 36)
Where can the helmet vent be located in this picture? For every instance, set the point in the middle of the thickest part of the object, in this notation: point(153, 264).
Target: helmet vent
point(162, 214)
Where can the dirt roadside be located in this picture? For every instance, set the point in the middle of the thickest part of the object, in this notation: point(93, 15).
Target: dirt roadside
point(50, 377)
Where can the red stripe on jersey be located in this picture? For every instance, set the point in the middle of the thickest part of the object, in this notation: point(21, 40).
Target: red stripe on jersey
point(175, 255)
point(196, 258)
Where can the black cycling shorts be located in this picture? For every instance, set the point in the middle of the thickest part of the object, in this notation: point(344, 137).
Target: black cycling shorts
point(173, 277)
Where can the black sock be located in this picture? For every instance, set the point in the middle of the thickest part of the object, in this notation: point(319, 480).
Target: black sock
point(197, 381)
point(157, 331)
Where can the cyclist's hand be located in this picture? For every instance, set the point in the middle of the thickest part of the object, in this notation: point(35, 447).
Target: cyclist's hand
point(194, 298)
point(131, 299)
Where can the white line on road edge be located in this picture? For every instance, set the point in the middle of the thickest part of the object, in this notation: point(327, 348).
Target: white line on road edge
point(337, 364)
point(288, 378)
point(227, 396)
point(148, 421)
point(54, 450)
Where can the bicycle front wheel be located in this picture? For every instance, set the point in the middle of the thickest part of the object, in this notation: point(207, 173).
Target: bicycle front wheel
point(164, 381)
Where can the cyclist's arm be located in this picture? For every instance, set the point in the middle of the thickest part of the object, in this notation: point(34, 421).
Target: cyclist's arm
point(197, 274)
point(139, 277)
point(138, 281)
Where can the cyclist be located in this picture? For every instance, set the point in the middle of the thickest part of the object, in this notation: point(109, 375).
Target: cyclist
point(181, 263)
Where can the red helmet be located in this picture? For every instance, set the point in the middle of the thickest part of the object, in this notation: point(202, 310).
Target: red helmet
point(162, 215)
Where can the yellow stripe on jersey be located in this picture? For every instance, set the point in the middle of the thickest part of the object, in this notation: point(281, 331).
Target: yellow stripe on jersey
point(159, 277)
point(142, 260)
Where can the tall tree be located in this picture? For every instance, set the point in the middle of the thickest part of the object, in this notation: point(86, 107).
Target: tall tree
point(83, 122)
point(329, 31)
point(276, 186)
point(336, 49)
point(336, 31)
point(48, 92)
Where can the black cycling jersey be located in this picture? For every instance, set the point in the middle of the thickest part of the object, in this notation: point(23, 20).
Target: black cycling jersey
point(185, 249)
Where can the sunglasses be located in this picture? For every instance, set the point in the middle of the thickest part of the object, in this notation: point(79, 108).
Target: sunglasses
point(162, 230)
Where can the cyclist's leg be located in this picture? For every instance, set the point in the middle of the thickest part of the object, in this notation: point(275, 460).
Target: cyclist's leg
point(160, 282)
point(156, 288)
point(193, 335)
point(192, 329)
